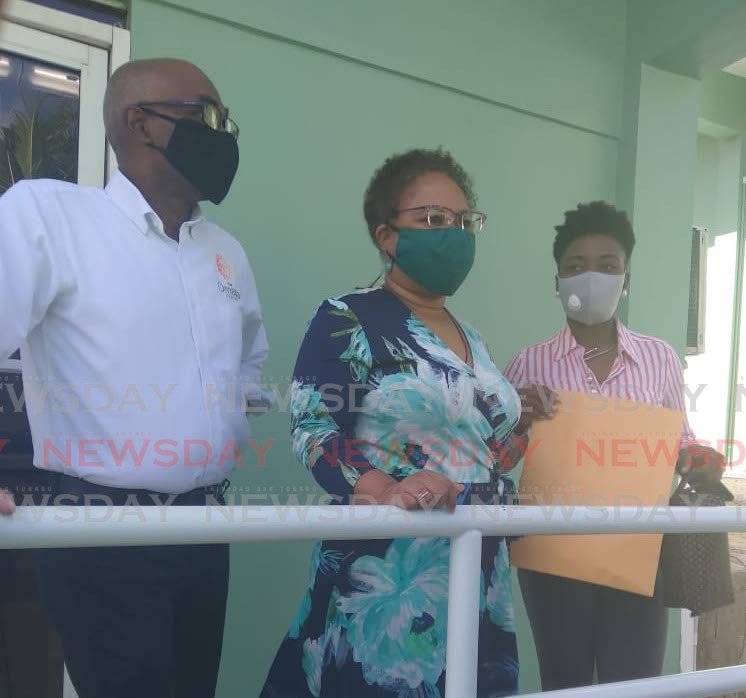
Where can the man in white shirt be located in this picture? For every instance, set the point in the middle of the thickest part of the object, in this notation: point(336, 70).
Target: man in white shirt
point(142, 337)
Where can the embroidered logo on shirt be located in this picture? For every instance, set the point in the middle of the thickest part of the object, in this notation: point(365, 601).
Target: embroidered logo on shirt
point(224, 268)
point(225, 271)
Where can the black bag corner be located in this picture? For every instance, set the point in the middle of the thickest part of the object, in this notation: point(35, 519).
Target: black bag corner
point(696, 566)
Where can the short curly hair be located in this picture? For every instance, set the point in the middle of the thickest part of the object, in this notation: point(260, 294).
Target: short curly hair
point(391, 179)
point(594, 218)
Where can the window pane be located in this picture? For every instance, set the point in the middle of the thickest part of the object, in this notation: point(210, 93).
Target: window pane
point(107, 11)
point(39, 117)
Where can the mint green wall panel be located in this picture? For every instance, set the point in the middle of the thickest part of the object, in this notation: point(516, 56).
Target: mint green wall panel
point(664, 200)
point(560, 59)
point(724, 100)
point(323, 95)
point(685, 35)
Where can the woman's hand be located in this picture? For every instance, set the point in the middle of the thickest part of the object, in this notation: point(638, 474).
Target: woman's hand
point(537, 402)
point(701, 465)
point(7, 504)
point(422, 490)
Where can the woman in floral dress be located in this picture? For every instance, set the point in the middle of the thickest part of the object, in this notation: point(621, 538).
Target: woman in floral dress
point(394, 401)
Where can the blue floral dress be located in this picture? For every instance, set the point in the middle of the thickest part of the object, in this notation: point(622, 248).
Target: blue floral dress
point(375, 388)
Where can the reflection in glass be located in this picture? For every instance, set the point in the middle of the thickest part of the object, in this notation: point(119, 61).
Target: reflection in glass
point(39, 117)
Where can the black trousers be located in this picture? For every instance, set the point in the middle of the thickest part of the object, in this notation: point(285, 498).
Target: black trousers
point(137, 621)
point(31, 663)
point(580, 627)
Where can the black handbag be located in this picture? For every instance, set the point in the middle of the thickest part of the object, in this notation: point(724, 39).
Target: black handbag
point(696, 566)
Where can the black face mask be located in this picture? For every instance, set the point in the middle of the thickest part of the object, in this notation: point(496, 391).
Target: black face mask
point(206, 158)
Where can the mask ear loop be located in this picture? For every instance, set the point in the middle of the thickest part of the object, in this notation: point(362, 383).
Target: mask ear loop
point(625, 288)
point(165, 117)
point(372, 284)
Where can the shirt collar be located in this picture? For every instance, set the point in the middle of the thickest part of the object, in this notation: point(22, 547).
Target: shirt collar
point(134, 205)
point(565, 343)
point(625, 342)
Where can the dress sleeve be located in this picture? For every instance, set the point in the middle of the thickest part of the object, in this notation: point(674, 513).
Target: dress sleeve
point(328, 384)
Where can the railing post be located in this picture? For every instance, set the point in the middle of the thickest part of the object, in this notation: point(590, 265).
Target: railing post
point(463, 615)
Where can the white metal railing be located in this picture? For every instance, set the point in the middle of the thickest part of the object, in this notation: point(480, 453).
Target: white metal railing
point(72, 526)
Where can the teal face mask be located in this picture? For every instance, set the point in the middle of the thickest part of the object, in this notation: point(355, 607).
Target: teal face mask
point(438, 259)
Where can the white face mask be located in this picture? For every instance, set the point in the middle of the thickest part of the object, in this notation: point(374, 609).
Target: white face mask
point(590, 298)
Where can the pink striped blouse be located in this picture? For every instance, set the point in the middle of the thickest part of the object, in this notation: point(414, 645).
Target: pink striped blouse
point(646, 370)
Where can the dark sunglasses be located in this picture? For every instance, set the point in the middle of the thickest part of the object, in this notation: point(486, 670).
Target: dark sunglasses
point(212, 116)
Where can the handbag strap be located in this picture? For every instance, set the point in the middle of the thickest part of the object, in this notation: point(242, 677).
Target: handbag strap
point(725, 495)
point(683, 482)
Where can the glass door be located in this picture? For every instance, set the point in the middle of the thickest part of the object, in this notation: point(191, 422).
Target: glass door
point(711, 375)
point(738, 395)
point(51, 94)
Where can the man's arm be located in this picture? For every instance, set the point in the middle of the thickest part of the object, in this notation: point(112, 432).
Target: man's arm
point(254, 351)
point(258, 400)
point(29, 278)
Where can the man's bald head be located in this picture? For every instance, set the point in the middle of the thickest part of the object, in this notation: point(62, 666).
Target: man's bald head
point(152, 80)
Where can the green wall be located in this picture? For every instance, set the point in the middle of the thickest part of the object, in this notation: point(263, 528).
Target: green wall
point(664, 200)
point(539, 99)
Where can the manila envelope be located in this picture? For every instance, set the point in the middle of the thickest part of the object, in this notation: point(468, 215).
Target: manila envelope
point(599, 451)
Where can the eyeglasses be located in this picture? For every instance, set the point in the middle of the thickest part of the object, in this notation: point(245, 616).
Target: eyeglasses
point(212, 115)
point(444, 217)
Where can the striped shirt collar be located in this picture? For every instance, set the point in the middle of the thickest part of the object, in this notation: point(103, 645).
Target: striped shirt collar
point(565, 342)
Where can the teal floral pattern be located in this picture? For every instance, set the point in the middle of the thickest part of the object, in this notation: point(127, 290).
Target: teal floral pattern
point(307, 407)
point(375, 388)
point(396, 615)
point(442, 420)
point(498, 599)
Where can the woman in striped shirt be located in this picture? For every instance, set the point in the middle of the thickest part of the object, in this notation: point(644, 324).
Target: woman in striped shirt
point(578, 627)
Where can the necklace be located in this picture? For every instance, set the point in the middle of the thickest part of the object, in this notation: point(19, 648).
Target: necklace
point(414, 306)
point(408, 298)
point(468, 358)
point(595, 352)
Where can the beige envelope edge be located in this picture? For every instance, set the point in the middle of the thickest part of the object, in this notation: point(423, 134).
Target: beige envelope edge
point(600, 451)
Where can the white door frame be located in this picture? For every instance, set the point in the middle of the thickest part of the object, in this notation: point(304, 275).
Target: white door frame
point(114, 40)
point(93, 64)
point(95, 35)
point(688, 651)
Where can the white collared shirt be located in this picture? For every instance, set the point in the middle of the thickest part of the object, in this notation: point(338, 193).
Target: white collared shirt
point(137, 350)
